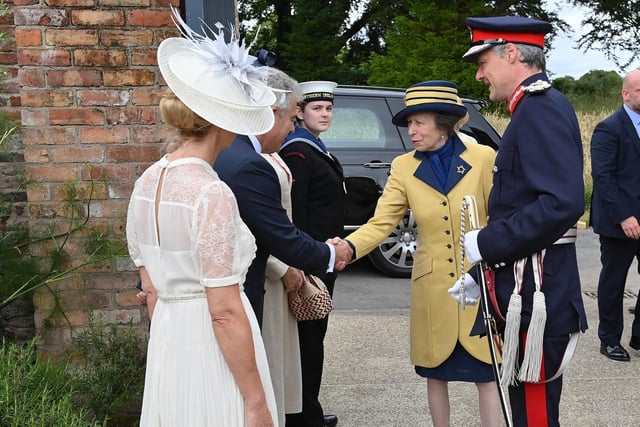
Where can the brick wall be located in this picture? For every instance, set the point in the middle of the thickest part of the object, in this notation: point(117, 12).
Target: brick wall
point(88, 94)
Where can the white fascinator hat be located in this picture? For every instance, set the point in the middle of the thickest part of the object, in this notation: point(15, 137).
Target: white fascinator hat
point(217, 80)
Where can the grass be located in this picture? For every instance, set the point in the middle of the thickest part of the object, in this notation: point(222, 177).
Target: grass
point(110, 379)
point(103, 388)
point(35, 392)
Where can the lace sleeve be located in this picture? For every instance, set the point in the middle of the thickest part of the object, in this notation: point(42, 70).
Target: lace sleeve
point(219, 242)
point(132, 236)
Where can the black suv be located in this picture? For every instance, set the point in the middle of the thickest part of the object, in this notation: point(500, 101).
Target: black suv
point(364, 139)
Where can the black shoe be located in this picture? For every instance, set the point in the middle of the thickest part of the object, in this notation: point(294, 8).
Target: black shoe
point(632, 310)
point(615, 352)
point(330, 420)
point(634, 343)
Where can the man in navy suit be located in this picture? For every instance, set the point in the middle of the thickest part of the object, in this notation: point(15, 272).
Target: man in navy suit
point(257, 190)
point(615, 211)
point(536, 199)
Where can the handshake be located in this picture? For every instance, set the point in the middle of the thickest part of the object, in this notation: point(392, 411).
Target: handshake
point(344, 252)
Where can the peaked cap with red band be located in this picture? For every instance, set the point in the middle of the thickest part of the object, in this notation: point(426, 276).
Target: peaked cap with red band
point(492, 31)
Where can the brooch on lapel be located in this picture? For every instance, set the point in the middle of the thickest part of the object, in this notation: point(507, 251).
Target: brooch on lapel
point(461, 170)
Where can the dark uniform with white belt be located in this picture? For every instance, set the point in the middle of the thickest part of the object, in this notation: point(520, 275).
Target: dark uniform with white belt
point(536, 199)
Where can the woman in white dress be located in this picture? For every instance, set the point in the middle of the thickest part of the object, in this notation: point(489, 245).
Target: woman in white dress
point(206, 364)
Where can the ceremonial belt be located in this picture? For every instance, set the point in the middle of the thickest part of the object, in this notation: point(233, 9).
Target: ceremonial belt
point(568, 237)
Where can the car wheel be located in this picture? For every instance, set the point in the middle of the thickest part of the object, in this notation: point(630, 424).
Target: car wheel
point(394, 257)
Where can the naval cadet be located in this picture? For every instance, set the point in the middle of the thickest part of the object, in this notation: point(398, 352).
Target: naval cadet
point(318, 205)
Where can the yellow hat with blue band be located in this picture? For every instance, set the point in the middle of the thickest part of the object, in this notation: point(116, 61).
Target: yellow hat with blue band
point(434, 95)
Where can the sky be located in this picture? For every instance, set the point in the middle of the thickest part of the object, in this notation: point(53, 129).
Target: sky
point(565, 59)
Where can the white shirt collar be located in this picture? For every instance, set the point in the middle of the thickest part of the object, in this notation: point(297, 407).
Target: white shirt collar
point(255, 143)
point(635, 117)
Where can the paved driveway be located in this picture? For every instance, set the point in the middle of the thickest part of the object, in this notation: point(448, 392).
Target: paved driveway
point(369, 382)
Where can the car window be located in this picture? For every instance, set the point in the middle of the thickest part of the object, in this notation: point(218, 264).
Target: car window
point(361, 123)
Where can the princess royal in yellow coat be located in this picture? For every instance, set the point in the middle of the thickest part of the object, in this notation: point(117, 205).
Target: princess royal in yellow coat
point(432, 181)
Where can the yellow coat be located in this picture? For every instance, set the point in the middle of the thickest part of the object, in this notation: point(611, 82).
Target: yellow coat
point(437, 320)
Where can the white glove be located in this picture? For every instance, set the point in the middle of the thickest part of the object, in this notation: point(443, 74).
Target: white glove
point(471, 246)
point(471, 290)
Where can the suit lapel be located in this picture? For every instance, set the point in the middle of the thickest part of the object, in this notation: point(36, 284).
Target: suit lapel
point(457, 170)
point(425, 173)
point(629, 129)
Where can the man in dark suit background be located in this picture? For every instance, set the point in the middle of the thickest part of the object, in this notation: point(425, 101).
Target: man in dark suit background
point(615, 211)
point(257, 190)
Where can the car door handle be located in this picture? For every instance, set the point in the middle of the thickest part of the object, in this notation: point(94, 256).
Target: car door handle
point(377, 165)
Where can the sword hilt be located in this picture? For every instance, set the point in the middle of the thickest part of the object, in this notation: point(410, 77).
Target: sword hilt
point(469, 207)
point(472, 209)
point(495, 345)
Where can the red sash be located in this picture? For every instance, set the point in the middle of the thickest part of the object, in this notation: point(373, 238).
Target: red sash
point(490, 280)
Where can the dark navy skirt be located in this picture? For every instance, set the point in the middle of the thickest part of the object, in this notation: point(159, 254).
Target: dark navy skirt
point(460, 366)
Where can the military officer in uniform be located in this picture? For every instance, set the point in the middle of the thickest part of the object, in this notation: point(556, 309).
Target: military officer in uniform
point(536, 199)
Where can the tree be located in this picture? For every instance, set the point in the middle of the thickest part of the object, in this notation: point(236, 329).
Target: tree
point(594, 91)
point(429, 42)
point(397, 42)
point(613, 27)
point(336, 39)
point(320, 39)
point(427, 45)
point(599, 84)
point(564, 84)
